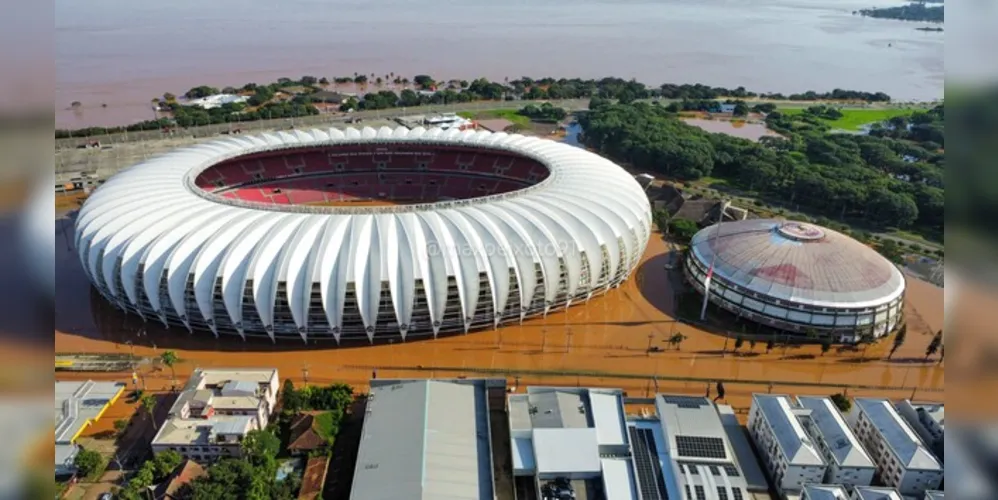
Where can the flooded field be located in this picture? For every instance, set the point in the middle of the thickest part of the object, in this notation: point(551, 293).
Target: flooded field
point(602, 343)
point(737, 128)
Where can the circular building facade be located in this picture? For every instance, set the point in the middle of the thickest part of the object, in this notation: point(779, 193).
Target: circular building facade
point(362, 234)
point(797, 277)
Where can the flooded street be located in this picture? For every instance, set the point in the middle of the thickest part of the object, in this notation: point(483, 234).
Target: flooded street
point(105, 56)
point(601, 343)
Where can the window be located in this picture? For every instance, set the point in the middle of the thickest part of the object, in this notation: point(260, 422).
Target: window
point(688, 495)
point(722, 493)
point(701, 494)
point(737, 493)
point(714, 470)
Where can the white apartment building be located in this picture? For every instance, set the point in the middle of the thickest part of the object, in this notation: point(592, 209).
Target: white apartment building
point(903, 462)
point(875, 493)
point(214, 412)
point(848, 463)
point(928, 420)
point(788, 454)
point(824, 492)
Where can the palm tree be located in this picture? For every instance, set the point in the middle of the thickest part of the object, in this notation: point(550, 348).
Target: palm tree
point(169, 358)
point(898, 340)
point(866, 338)
point(826, 344)
point(739, 342)
point(148, 404)
point(770, 344)
point(934, 344)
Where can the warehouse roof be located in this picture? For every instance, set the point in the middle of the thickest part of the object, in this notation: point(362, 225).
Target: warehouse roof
point(424, 439)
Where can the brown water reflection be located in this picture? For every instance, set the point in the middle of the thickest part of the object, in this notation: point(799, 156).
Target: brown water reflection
point(609, 335)
point(746, 130)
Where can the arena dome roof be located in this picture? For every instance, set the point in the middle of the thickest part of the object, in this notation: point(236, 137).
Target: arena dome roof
point(151, 228)
point(798, 263)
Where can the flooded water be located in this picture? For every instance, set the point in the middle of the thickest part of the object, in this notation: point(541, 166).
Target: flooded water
point(123, 54)
point(605, 341)
point(745, 130)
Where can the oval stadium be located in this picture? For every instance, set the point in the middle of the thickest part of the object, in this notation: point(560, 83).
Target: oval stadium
point(797, 278)
point(361, 234)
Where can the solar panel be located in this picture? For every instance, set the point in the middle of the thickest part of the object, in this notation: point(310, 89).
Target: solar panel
point(700, 447)
point(650, 479)
point(689, 402)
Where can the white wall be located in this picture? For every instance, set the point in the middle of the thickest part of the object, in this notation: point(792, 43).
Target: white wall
point(916, 482)
point(849, 476)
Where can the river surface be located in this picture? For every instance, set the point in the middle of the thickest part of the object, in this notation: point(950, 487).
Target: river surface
point(123, 53)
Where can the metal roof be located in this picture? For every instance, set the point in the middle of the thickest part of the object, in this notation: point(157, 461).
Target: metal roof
point(152, 217)
point(794, 443)
point(899, 437)
point(824, 492)
point(797, 262)
point(838, 437)
point(424, 439)
point(77, 404)
point(876, 493)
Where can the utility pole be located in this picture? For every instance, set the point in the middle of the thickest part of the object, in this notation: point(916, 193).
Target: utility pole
point(651, 337)
point(304, 372)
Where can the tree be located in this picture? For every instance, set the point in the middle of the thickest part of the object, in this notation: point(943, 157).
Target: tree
point(260, 447)
point(682, 230)
point(88, 462)
point(169, 358)
point(751, 344)
point(147, 402)
point(164, 462)
point(323, 81)
point(842, 402)
point(676, 340)
point(741, 109)
point(934, 344)
point(720, 390)
point(308, 80)
point(120, 425)
point(739, 342)
point(898, 340)
point(75, 104)
point(826, 345)
point(770, 344)
point(423, 81)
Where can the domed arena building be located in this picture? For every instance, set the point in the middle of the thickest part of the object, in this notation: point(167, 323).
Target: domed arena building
point(798, 278)
point(362, 234)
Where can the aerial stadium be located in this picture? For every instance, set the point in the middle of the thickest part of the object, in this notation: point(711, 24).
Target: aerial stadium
point(362, 234)
point(797, 278)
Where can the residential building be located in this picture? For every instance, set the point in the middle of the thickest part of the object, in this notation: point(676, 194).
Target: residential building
point(875, 493)
point(215, 411)
point(928, 420)
point(569, 441)
point(848, 463)
point(186, 472)
point(788, 453)
point(305, 435)
point(903, 461)
point(429, 439)
point(77, 406)
point(699, 449)
point(824, 492)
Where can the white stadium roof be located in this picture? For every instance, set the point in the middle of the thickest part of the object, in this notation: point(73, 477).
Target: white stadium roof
point(152, 219)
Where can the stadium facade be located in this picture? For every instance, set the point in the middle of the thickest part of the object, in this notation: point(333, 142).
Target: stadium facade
point(796, 277)
point(280, 234)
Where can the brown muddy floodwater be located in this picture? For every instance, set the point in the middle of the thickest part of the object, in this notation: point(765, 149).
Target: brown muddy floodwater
point(123, 54)
point(607, 337)
point(743, 129)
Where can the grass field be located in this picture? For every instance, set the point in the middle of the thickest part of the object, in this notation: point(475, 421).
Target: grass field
point(854, 119)
point(490, 114)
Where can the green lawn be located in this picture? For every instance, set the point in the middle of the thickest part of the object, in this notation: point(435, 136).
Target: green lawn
point(506, 114)
point(854, 119)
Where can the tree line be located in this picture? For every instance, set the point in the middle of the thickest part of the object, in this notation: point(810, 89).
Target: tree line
point(912, 12)
point(428, 91)
point(892, 177)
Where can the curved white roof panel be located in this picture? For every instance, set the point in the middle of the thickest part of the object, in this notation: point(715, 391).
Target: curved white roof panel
point(155, 243)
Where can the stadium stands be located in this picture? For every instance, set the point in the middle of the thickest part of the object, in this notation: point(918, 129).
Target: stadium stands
point(409, 174)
